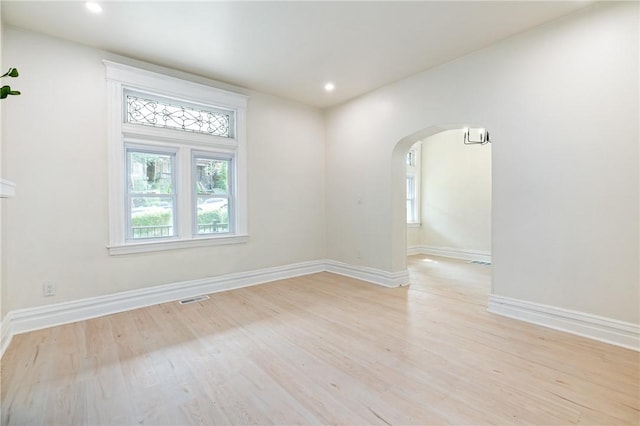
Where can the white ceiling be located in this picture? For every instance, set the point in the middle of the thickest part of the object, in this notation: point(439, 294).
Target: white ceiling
point(289, 49)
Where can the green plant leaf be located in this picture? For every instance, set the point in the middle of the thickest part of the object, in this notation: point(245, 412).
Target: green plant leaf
point(13, 72)
point(6, 91)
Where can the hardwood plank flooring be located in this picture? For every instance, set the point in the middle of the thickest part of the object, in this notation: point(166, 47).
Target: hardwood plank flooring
point(321, 349)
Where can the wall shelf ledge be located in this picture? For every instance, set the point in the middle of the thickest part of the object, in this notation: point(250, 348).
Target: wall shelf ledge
point(7, 188)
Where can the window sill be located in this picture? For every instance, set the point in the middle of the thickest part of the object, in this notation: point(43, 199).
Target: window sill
point(175, 244)
point(414, 225)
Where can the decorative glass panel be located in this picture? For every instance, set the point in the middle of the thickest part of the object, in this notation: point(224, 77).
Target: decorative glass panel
point(152, 112)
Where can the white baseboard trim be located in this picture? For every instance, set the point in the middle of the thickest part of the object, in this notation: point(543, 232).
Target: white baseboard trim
point(375, 276)
point(606, 330)
point(30, 319)
point(450, 252)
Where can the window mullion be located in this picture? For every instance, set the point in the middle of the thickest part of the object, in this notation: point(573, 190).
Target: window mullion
point(185, 196)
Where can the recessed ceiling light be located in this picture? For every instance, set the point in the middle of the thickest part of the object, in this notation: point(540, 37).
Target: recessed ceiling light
point(329, 87)
point(93, 7)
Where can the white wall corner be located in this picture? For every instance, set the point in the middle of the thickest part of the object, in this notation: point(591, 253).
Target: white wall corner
point(619, 333)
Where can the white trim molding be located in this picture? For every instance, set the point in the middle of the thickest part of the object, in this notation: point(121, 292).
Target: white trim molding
point(454, 253)
point(29, 319)
point(606, 330)
point(176, 244)
point(40, 317)
point(413, 250)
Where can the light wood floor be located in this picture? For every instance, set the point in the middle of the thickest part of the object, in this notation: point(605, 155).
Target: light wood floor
point(321, 349)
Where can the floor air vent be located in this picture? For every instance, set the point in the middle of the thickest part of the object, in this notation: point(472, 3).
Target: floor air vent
point(480, 262)
point(193, 299)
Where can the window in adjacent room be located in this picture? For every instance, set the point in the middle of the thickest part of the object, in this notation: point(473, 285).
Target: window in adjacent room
point(413, 185)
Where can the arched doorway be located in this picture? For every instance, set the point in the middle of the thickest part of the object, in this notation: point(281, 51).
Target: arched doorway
point(462, 166)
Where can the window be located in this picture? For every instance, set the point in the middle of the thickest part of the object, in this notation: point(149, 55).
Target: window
point(151, 198)
point(175, 115)
point(177, 163)
point(413, 184)
point(411, 158)
point(213, 201)
point(411, 199)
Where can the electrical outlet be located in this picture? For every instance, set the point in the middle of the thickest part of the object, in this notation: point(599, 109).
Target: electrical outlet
point(48, 288)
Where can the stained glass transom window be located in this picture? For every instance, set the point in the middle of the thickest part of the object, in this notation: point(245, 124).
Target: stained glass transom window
point(157, 113)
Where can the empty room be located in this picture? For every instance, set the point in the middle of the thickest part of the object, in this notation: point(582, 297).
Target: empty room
point(362, 213)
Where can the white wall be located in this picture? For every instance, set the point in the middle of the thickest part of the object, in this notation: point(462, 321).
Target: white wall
point(2, 288)
point(55, 149)
point(561, 102)
point(455, 195)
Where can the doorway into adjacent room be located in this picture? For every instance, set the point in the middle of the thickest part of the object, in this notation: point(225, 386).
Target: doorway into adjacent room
point(447, 206)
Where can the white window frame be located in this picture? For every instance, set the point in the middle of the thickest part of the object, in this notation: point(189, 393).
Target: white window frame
point(414, 171)
point(121, 134)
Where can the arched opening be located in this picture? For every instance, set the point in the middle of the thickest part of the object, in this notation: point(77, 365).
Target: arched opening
point(455, 196)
